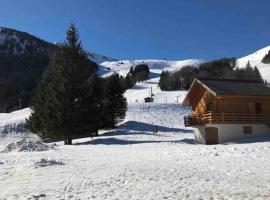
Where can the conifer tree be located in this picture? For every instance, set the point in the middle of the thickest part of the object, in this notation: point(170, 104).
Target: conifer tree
point(66, 102)
point(258, 75)
point(114, 104)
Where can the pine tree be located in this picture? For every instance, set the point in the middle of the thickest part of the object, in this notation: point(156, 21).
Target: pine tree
point(266, 58)
point(114, 103)
point(258, 75)
point(65, 105)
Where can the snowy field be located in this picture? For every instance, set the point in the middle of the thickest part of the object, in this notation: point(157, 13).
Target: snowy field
point(133, 162)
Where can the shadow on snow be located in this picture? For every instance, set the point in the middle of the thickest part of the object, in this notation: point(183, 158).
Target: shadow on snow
point(139, 128)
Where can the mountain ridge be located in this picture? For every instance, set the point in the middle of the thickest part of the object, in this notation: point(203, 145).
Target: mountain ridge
point(23, 58)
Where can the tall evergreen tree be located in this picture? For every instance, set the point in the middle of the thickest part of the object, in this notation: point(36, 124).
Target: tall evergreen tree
point(66, 102)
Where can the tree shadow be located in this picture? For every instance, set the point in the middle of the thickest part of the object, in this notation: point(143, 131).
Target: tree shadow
point(153, 75)
point(138, 87)
point(139, 128)
point(116, 141)
point(249, 140)
point(146, 127)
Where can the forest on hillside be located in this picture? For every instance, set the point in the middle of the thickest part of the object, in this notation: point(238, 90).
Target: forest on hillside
point(218, 69)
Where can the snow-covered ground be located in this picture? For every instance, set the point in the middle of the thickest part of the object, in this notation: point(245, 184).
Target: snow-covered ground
point(133, 162)
point(14, 122)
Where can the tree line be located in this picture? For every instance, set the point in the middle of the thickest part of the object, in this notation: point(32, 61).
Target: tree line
point(218, 69)
point(71, 100)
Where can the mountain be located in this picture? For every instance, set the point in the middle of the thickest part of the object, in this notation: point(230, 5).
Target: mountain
point(23, 58)
point(13, 42)
point(97, 58)
point(255, 59)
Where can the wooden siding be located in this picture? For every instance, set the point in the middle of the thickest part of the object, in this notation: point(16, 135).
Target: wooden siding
point(201, 107)
point(236, 104)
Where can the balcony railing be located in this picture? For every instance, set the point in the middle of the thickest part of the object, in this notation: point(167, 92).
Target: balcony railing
point(227, 118)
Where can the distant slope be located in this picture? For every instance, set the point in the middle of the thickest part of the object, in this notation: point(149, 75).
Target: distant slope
point(255, 59)
point(97, 58)
point(122, 67)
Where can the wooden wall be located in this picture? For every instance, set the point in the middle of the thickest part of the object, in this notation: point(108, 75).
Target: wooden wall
point(199, 97)
point(235, 104)
point(200, 108)
point(231, 104)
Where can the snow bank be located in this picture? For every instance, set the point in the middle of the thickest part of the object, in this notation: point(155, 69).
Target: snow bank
point(25, 145)
point(14, 122)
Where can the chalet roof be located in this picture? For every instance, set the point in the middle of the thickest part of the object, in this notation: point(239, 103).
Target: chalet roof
point(236, 87)
point(225, 87)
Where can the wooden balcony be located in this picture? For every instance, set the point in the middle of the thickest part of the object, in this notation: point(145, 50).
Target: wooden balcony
point(227, 118)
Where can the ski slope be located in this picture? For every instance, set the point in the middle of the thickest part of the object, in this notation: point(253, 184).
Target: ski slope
point(156, 66)
point(255, 59)
point(133, 162)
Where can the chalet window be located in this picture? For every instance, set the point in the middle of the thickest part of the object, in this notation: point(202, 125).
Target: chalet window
point(258, 107)
point(209, 107)
point(247, 129)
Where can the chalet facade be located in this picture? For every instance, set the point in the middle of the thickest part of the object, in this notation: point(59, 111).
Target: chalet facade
point(227, 110)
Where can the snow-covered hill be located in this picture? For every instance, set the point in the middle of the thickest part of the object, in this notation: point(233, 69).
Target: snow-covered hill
point(255, 59)
point(122, 67)
point(98, 58)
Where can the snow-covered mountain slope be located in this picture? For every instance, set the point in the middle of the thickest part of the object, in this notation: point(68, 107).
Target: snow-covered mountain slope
point(98, 58)
point(17, 42)
point(255, 59)
point(122, 67)
point(14, 42)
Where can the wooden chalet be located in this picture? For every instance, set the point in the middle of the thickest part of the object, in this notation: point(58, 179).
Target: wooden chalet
point(224, 110)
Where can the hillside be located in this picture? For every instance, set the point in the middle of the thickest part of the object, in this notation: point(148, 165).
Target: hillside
point(255, 59)
point(122, 67)
point(23, 58)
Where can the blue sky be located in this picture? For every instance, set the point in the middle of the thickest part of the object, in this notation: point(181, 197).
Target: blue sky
point(133, 29)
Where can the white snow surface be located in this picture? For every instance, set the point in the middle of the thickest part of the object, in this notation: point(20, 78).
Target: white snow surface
point(122, 67)
point(255, 59)
point(14, 122)
point(132, 162)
